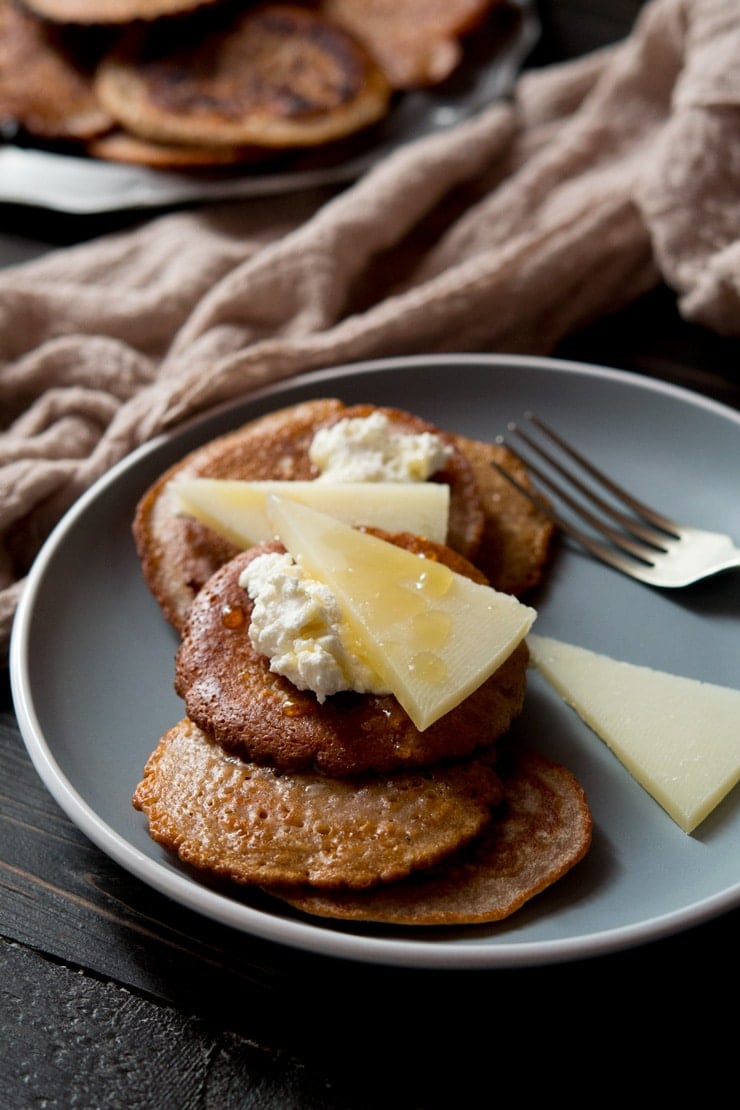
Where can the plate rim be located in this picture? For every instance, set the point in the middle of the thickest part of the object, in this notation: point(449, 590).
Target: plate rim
point(308, 936)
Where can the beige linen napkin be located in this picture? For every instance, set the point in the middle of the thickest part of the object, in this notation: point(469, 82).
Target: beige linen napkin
point(601, 177)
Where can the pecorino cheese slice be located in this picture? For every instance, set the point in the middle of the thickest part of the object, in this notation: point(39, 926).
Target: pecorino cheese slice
point(236, 509)
point(433, 636)
point(680, 738)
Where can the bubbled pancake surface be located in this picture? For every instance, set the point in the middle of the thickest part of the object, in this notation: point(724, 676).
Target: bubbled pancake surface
point(250, 824)
point(230, 692)
point(542, 829)
point(276, 75)
point(179, 555)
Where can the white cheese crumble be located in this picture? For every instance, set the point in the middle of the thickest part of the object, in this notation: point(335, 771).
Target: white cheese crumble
point(297, 623)
point(370, 449)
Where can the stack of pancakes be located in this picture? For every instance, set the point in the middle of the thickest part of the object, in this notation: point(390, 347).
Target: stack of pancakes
point(189, 83)
point(343, 808)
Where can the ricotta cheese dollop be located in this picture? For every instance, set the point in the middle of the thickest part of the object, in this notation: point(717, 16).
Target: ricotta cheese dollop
point(297, 623)
point(371, 449)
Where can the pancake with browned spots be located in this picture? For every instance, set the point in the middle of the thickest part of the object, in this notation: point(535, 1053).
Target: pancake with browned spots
point(416, 42)
point(231, 693)
point(275, 75)
point(179, 555)
point(111, 11)
point(539, 833)
point(46, 80)
point(248, 823)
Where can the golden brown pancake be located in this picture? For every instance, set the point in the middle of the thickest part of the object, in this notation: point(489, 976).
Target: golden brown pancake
point(542, 830)
point(45, 84)
point(275, 75)
point(110, 11)
point(416, 42)
point(119, 146)
point(517, 537)
point(231, 693)
point(178, 555)
point(253, 825)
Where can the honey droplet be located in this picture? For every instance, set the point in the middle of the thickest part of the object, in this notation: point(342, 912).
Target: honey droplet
point(292, 708)
point(432, 627)
point(232, 616)
point(428, 667)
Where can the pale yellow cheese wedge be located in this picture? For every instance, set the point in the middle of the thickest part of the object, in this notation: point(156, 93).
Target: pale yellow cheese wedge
point(433, 636)
point(680, 738)
point(236, 509)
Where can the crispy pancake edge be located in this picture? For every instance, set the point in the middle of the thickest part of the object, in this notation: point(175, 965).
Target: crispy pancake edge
point(518, 539)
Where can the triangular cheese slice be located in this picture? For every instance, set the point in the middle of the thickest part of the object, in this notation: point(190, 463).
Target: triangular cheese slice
point(433, 636)
point(236, 509)
point(680, 738)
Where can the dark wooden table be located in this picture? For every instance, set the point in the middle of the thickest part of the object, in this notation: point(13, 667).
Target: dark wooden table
point(114, 996)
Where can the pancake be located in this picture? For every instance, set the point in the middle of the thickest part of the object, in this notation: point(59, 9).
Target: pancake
point(541, 831)
point(46, 80)
point(119, 146)
point(179, 555)
point(253, 825)
point(275, 75)
point(517, 537)
point(416, 42)
point(110, 11)
point(231, 693)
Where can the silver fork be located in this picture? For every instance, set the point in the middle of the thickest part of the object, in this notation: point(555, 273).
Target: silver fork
point(644, 544)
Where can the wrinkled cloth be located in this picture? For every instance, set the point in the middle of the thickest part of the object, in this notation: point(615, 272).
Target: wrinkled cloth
point(598, 179)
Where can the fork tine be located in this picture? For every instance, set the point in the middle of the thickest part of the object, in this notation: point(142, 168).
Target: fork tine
point(606, 554)
point(675, 556)
point(637, 538)
point(660, 521)
point(625, 543)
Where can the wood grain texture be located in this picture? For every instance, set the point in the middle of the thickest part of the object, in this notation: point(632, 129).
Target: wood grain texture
point(73, 1040)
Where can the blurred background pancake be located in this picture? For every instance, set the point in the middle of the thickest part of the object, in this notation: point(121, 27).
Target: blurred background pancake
point(277, 75)
point(46, 79)
point(416, 42)
point(191, 84)
point(110, 11)
point(120, 146)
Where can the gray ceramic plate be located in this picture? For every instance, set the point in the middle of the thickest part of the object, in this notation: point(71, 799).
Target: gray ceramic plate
point(92, 661)
point(65, 183)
